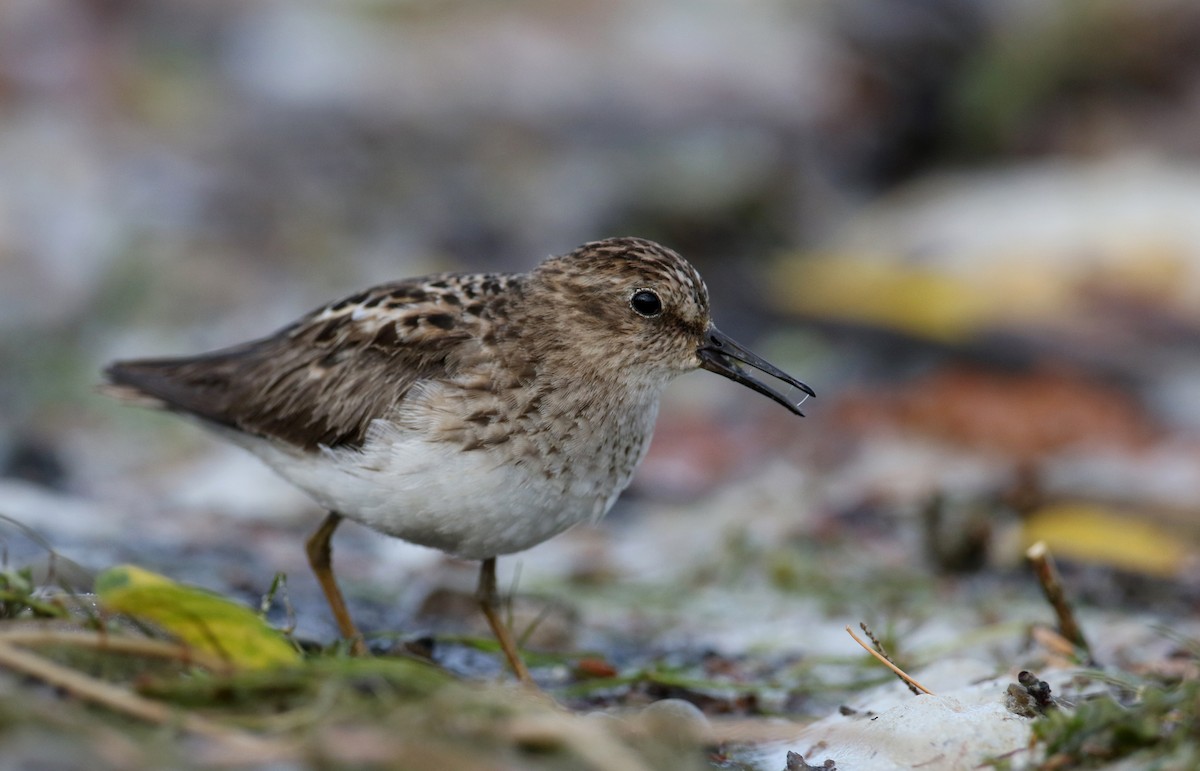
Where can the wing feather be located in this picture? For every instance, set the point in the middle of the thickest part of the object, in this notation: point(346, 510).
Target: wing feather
point(325, 378)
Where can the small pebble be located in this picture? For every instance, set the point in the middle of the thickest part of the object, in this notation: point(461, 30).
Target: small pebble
point(676, 720)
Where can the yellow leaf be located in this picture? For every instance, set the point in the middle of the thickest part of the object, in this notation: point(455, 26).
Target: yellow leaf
point(199, 618)
point(916, 300)
point(926, 301)
point(1092, 533)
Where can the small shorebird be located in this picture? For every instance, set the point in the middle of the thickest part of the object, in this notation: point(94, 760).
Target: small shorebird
point(479, 414)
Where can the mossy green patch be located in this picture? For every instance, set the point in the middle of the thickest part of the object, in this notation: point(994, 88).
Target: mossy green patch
point(1159, 726)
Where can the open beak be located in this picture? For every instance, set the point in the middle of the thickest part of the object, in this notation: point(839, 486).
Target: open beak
point(722, 355)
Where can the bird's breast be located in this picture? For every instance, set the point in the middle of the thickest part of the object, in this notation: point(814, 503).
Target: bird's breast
point(588, 436)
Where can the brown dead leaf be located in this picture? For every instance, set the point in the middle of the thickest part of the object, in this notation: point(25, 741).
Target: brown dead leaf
point(1023, 415)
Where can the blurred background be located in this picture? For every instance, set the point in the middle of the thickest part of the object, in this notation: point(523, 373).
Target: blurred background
point(973, 226)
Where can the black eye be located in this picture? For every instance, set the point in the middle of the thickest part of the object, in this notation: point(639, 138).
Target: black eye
point(646, 303)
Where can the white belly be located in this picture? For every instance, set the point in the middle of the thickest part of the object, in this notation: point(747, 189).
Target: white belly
point(471, 504)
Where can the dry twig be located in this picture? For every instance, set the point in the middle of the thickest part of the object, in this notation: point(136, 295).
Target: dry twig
point(1047, 575)
point(99, 641)
point(887, 663)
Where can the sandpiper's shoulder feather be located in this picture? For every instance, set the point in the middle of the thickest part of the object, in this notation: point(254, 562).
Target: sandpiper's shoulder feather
point(322, 380)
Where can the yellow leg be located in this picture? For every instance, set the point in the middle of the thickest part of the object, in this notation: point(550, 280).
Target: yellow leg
point(489, 602)
point(320, 557)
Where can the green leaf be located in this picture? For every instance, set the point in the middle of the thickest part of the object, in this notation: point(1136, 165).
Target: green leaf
point(201, 619)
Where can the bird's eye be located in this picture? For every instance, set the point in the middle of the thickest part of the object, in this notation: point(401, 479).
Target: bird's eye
point(646, 303)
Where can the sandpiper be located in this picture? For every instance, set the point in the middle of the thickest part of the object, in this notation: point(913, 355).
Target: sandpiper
point(479, 414)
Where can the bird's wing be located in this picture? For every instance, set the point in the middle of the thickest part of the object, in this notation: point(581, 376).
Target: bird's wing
point(323, 379)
